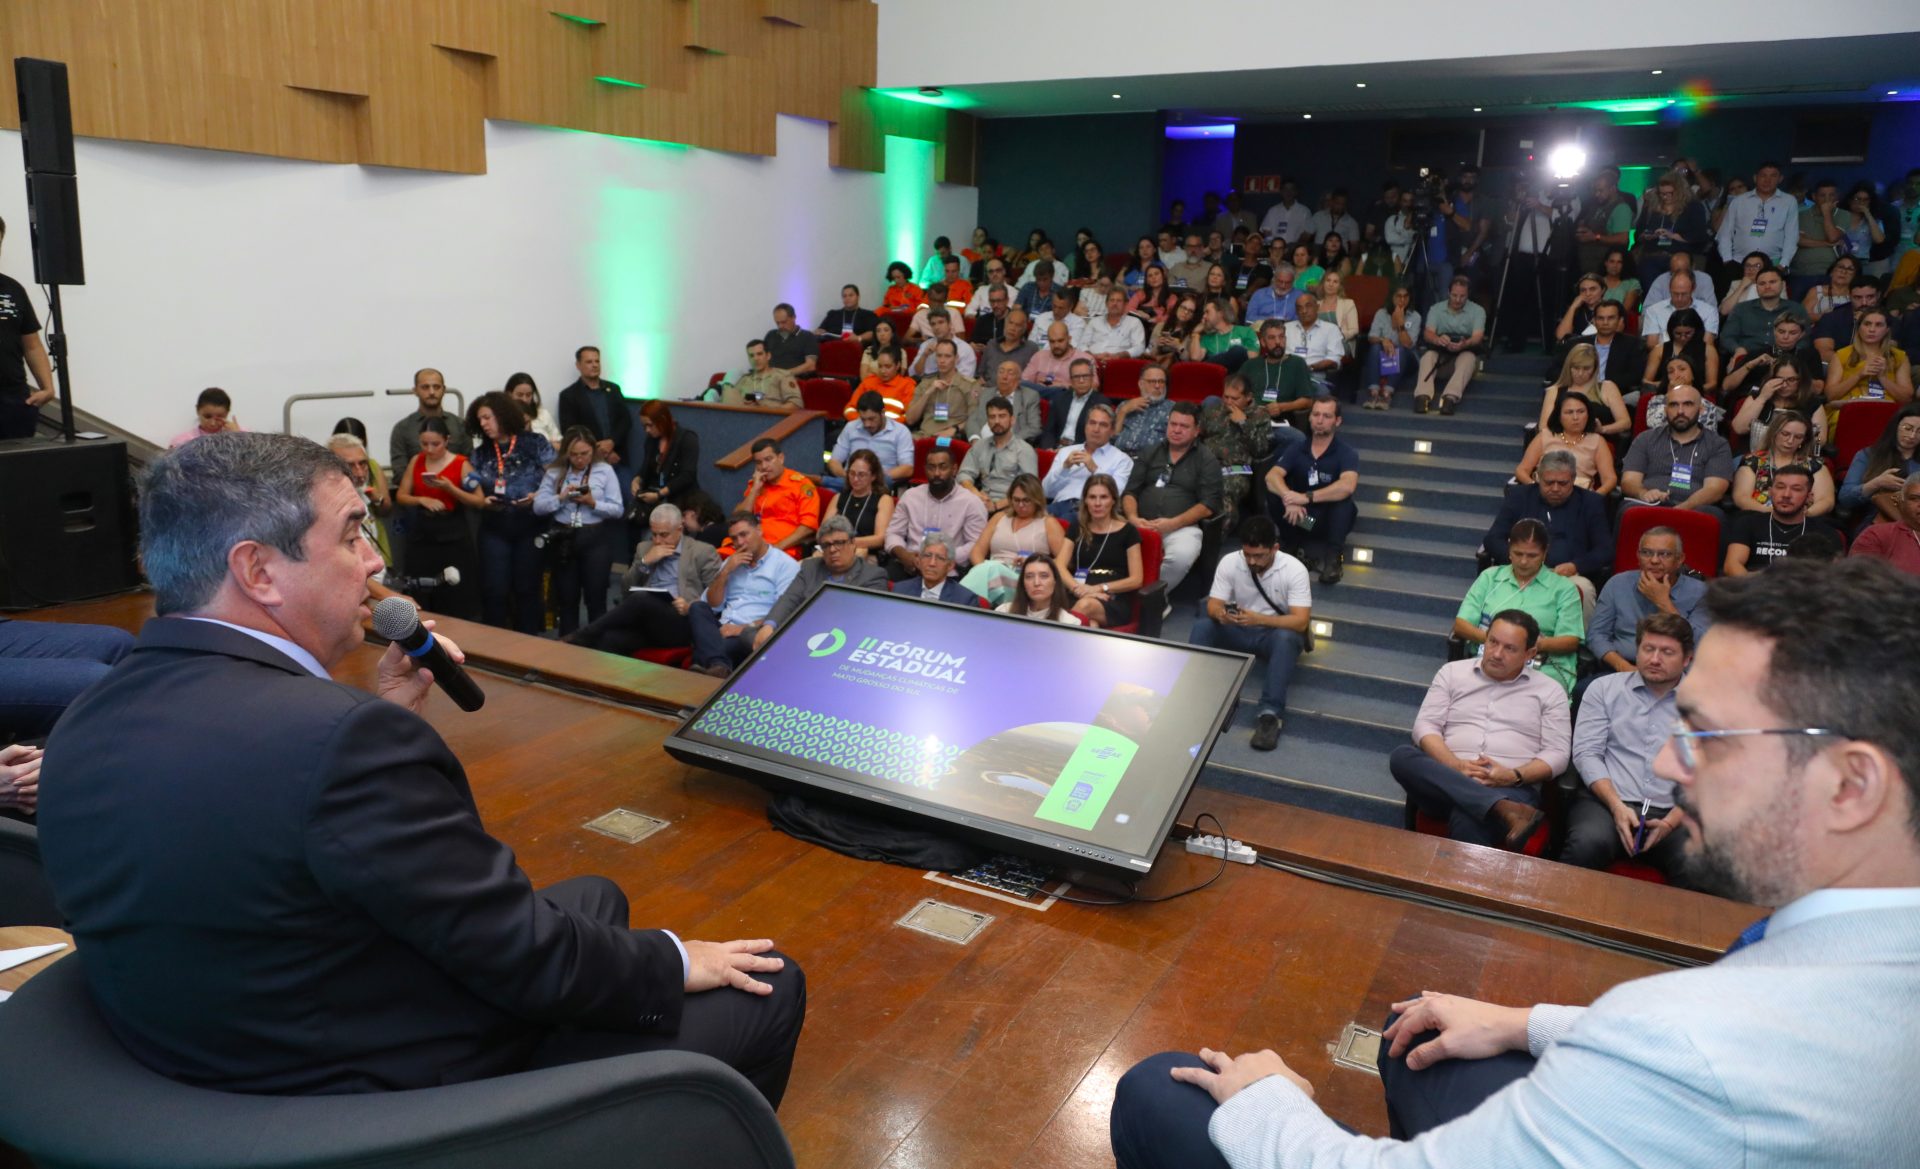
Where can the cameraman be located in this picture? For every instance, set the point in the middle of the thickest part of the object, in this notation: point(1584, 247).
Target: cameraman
point(1467, 230)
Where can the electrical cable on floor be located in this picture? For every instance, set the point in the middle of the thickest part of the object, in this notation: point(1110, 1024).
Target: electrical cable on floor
point(1134, 897)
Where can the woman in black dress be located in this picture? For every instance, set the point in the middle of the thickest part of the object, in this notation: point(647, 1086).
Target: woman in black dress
point(1101, 560)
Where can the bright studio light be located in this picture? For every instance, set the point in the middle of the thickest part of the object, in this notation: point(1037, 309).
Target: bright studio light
point(1566, 161)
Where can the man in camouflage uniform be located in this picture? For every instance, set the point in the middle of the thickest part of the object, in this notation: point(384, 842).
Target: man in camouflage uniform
point(1238, 435)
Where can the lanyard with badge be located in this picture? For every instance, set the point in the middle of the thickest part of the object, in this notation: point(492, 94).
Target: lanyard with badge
point(500, 464)
point(1080, 570)
point(1682, 477)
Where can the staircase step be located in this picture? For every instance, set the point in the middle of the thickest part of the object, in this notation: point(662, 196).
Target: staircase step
point(1408, 426)
point(1343, 723)
point(1447, 525)
point(1444, 448)
point(1451, 558)
point(1338, 777)
point(1472, 500)
point(1361, 625)
point(1319, 695)
point(1483, 468)
point(1334, 662)
point(1400, 592)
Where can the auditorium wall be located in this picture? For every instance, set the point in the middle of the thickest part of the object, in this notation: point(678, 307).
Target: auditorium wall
point(270, 277)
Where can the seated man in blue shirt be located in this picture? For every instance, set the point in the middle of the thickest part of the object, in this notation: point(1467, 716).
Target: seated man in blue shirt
point(726, 620)
point(1311, 490)
point(1661, 586)
point(1622, 810)
point(1580, 545)
point(1276, 301)
point(873, 431)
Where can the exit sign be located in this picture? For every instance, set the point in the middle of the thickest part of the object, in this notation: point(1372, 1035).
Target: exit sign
point(1261, 185)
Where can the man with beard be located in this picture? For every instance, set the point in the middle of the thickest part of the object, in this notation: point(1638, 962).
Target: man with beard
point(1760, 539)
point(936, 506)
point(1798, 782)
point(1623, 809)
point(1679, 464)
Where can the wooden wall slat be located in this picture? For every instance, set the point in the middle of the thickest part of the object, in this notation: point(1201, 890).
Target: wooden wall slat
point(410, 85)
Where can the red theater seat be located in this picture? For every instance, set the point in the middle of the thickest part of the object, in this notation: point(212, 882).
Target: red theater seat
point(840, 359)
point(1637, 871)
point(1699, 537)
point(1859, 423)
point(1120, 376)
point(680, 657)
point(1153, 594)
point(1195, 381)
point(1045, 459)
point(921, 446)
point(1434, 826)
point(828, 395)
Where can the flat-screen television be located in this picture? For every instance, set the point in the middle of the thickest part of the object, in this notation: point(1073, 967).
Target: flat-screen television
point(1065, 744)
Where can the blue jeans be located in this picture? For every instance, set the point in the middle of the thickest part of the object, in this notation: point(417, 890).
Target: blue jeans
point(1281, 648)
point(44, 666)
point(709, 646)
point(510, 571)
point(1065, 510)
point(1370, 375)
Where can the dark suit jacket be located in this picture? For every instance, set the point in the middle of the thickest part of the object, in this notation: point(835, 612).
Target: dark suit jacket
point(1626, 362)
point(1577, 531)
point(575, 411)
point(681, 466)
point(283, 886)
point(1051, 436)
point(951, 593)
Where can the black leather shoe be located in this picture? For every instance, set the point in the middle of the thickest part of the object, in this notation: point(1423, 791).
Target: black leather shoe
point(1449, 405)
point(1331, 570)
point(1422, 405)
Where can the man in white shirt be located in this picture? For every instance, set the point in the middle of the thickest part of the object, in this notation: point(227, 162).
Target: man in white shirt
point(1119, 332)
point(1663, 283)
point(1074, 465)
point(1333, 217)
point(1653, 320)
point(1260, 604)
point(920, 328)
point(1315, 341)
point(1171, 252)
point(1289, 219)
point(1046, 260)
point(1061, 312)
point(1765, 219)
point(996, 279)
point(1798, 782)
point(942, 328)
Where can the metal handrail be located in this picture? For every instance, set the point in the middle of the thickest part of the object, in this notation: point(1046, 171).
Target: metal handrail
point(286, 410)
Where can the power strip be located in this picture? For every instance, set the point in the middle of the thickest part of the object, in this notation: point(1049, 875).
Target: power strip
point(1226, 847)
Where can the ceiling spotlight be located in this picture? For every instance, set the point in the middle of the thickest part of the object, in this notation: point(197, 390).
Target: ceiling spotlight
point(1308, 117)
point(930, 91)
point(1359, 85)
point(1116, 97)
point(1893, 92)
point(1658, 72)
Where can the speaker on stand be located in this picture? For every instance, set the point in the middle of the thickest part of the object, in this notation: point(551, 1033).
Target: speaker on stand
point(53, 203)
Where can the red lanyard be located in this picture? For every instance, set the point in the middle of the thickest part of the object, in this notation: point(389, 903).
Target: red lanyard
point(500, 463)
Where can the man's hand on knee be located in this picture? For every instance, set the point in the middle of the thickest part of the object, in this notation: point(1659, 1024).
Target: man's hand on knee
point(1468, 1029)
point(716, 964)
point(1229, 1075)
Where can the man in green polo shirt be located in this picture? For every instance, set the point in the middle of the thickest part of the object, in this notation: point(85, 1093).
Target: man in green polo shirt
point(1548, 597)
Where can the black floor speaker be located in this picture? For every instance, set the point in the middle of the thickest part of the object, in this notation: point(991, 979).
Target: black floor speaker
point(67, 526)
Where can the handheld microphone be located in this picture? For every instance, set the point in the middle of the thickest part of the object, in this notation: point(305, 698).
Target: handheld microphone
point(398, 621)
point(407, 584)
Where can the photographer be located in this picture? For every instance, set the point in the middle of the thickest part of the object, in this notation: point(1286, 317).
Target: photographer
point(1468, 231)
point(582, 494)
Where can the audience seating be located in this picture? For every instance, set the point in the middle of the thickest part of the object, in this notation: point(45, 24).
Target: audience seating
point(25, 896)
point(1120, 376)
point(839, 359)
point(679, 657)
point(1369, 295)
point(1699, 537)
point(1640, 414)
point(1115, 263)
point(1045, 458)
point(1856, 428)
point(1638, 872)
point(901, 322)
point(921, 446)
point(825, 394)
point(82, 1102)
point(1149, 611)
point(1195, 381)
point(1426, 825)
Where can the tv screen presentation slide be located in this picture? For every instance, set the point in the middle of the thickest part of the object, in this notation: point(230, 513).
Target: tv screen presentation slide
point(1034, 725)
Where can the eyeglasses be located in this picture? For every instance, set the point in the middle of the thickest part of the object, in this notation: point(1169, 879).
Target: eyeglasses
point(1684, 736)
point(840, 543)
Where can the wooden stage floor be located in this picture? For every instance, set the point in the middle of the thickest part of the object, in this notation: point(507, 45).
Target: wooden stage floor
point(920, 1052)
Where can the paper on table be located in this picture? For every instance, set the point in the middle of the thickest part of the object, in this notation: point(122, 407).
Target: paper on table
point(11, 958)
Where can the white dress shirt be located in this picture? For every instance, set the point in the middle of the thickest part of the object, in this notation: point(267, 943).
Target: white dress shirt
point(1322, 221)
point(1702, 289)
point(922, 363)
point(1064, 482)
point(979, 304)
point(1653, 318)
point(1076, 328)
point(1060, 273)
point(1291, 222)
point(1102, 336)
point(1753, 224)
point(1323, 342)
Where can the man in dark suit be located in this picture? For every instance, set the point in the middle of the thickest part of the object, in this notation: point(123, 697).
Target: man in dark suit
point(935, 582)
point(597, 405)
point(282, 884)
point(1580, 541)
point(1623, 355)
point(1067, 413)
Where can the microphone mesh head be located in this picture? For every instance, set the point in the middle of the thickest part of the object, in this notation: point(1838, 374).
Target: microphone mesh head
point(394, 618)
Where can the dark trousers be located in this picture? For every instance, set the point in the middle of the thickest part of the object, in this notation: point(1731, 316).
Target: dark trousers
point(1594, 843)
point(44, 666)
point(1332, 524)
point(1281, 648)
point(641, 621)
point(510, 570)
point(1524, 303)
point(1439, 790)
point(1158, 1122)
point(585, 571)
point(752, 1034)
point(709, 646)
point(18, 420)
point(434, 545)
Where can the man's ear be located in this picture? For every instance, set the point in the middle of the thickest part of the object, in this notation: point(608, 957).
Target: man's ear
point(251, 566)
point(1863, 786)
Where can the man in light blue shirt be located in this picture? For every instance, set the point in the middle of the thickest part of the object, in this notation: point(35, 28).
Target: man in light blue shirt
point(873, 431)
point(1765, 219)
point(727, 618)
point(1275, 302)
point(1074, 465)
point(1798, 781)
point(1661, 586)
